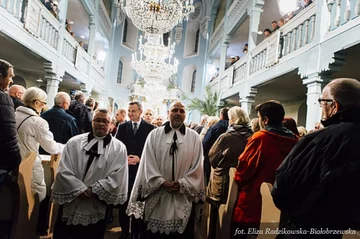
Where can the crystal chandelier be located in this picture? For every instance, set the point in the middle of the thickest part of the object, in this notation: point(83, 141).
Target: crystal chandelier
point(157, 16)
point(156, 61)
point(155, 93)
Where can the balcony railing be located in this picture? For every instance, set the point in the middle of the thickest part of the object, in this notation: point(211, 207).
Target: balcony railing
point(299, 31)
point(240, 69)
point(69, 47)
point(291, 40)
point(12, 6)
point(296, 34)
point(43, 26)
point(342, 11)
point(217, 35)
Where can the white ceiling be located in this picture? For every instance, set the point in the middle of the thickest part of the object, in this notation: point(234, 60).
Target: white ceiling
point(77, 14)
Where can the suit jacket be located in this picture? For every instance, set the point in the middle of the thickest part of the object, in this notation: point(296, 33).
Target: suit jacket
point(134, 143)
point(17, 102)
point(62, 125)
point(83, 116)
point(10, 154)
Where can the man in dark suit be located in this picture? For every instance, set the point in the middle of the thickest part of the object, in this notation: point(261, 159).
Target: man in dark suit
point(81, 113)
point(133, 134)
point(62, 125)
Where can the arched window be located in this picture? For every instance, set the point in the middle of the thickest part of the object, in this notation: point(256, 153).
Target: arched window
point(119, 76)
point(125, 30)
point(166, 38)
point(197, 40)
point(193, 81)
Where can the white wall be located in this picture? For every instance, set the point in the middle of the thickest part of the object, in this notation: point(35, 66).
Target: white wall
point(190, 38)
point(187, 78)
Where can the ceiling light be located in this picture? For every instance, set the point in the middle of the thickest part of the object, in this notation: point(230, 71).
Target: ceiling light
point(39, 80)
point(157, 17)
point(287, 6)
point(82, 37)
point(70, 22)
point(260, 32)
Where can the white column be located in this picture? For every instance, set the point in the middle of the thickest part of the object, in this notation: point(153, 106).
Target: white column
point(246, 105)
point(249, 99)
point(253, 28)
point(314, 83)
point(223, 54)
point(63, 7)
point(92, 36)
point(53, 80)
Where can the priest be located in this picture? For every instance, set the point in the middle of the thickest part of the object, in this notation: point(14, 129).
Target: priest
point(92, 175)
point(170, 179)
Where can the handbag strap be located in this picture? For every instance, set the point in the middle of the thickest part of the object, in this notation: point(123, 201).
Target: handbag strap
point(23, 122)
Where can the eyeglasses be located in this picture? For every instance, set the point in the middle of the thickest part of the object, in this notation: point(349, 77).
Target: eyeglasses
point(44, 102)
point(104, 121)
point(322, 102)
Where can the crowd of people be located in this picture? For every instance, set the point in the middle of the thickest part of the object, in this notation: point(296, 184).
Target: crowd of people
point(52, 6)
point(275, 25)
point(156, 171)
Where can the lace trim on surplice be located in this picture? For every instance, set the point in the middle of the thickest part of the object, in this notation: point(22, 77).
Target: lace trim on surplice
point(72, 217)
point(195, 195)
point(170, 226)
point(108, 197)
point(67, 197)
point(136, 204)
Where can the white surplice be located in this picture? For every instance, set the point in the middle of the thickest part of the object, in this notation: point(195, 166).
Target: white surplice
point(107, 176)
point(166, 212)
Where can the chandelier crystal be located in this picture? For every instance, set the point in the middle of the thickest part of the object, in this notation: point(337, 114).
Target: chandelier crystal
point(156, 61)
point(157, 16)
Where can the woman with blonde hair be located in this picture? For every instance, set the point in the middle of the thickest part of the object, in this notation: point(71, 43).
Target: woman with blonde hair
point(210, 122)
point(302, 131)
point(34, 131)
point(225, 152)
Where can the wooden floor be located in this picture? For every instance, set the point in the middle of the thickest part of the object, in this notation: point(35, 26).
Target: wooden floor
point(114, 229)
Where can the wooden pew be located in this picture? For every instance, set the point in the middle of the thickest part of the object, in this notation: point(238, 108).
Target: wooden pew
point(50, 169)
point(9, 199)
point(26, 204)
point(270, 214)
point(226, 210)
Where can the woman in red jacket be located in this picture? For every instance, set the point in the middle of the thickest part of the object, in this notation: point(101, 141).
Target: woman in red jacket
point(264, 152)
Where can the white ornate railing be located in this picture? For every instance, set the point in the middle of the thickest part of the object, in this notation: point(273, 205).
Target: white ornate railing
point(240, 69)
point(273, 49)
point(97, 75)
point(258, 57)
point(225, 80)
point(12, 6)
point(45, 29)
point(217, 35)
point(69, 48)
point(342, 11)
point(214, 84)
point(82, 61)
point(41, 23)
point(299, 31)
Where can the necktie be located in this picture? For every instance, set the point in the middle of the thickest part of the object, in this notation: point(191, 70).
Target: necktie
point(135, 128)
point(173, 149)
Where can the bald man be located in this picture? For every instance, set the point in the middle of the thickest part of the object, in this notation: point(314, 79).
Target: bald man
point(16, 93)
point(316, 185)
point(170, 173)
